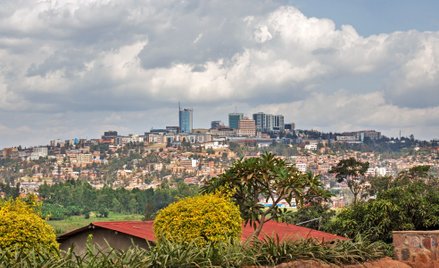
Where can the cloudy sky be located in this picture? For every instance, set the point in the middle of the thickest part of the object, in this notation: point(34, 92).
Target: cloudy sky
point(75, 68)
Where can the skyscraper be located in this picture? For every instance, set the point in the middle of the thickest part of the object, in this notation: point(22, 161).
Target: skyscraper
point(268, 122)
point(234, 120)
point(279, 123)
point(185, 119)
point(259, 120)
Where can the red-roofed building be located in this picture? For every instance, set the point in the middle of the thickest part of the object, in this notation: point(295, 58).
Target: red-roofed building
point(122, 234)
point(289, 232)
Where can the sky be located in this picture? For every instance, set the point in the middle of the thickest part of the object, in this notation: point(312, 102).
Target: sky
point(78, 68)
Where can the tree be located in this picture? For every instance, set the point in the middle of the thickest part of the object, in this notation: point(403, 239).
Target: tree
point(353, 173)
point(416, 173)
point(315, 216)
point(266, 178)
point(53, 211)
point(374, 219)
point(380, 184)
point(205, 219)
point(315, 212)
point(408, 206)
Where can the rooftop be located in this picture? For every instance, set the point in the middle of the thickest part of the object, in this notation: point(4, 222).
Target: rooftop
point(144, 230)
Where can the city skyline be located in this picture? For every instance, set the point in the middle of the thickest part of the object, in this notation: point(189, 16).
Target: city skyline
point(74, 69)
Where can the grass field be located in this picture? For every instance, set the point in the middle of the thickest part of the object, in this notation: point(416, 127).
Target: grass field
point(75, 222)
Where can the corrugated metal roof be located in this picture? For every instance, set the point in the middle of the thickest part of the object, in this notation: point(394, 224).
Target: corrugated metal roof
point(141, 229)
point(289, 231)
point(144, 230)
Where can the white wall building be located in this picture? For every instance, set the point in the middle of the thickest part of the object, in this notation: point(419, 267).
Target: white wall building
point(301, 167)
point(38, 152)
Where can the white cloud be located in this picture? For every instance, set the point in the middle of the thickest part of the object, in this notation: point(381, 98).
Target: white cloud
point(136, 57)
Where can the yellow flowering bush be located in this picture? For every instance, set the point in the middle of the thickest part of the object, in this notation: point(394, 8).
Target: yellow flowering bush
point(22, 228)
point(205, 218)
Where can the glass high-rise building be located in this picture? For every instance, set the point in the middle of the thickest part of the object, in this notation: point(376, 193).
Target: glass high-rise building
point(185, 120)
point(216, 124)
point(234, 120)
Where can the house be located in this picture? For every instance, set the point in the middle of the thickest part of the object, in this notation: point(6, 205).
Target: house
point(116, 234)
point(122, 234)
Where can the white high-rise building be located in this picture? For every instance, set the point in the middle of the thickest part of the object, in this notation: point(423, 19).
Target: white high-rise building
point(268, 122)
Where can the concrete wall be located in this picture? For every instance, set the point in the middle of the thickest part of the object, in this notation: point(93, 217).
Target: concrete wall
point(101, 238)
point(417, 248)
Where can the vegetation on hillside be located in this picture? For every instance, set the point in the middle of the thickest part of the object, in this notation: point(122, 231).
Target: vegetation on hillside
point(80, 198)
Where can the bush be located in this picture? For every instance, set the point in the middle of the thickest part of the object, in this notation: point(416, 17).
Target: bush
point(21, 228)
point(205, 218)
point(414, 206)
point(270, 251)
point(53, 212)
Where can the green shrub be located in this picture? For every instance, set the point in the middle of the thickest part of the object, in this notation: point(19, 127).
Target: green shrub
point(205, 218)
point(22, 228)
point(270, 251)
point(413, 206)
point(53, 211)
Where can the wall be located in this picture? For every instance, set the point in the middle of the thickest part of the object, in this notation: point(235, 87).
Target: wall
point(101, 238)
point(417, 248)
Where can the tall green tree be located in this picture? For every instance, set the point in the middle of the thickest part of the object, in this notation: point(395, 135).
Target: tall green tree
point(409, 201)
point(266, 178)
point(353, 173)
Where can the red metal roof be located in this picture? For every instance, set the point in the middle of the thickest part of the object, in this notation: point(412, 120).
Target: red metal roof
point(144, 229)
point(141, 229)
point(289, 232)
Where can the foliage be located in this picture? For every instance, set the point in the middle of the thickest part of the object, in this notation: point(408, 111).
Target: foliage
point(192, 254)
point(404, 206)
point(374, 219)
point(10, 192)
point(21, 227)
point(206, 218)
point(415, 173)
point(270, 251)
point(315, 216)
point(79, 197)
point(352, 172)
point(380, 184)
point(266, 178)
point(75, 222)
point(53, 211)
point(418, 202)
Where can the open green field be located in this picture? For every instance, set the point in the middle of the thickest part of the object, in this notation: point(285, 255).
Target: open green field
point(75, 222)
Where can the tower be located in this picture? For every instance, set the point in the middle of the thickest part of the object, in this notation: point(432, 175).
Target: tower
point(234, 120)
point(185, 119)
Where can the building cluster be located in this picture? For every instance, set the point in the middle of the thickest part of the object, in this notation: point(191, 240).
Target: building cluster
point(148, 160)
point(189, 154)
point(238, 125)
point(259, 124)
